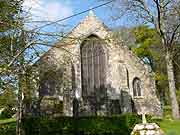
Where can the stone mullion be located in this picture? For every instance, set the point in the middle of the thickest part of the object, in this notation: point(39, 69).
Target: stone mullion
point(86, 71)
point(136, 86)
point(139, 88)
point(136, 89)
point(92, 58)
point(89, 69)
point(102, 66)
point(98, 65)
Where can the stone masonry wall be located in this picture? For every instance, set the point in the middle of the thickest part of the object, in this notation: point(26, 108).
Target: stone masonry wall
point(123, 66)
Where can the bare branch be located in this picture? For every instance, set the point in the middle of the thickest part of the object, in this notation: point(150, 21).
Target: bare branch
point(173, 34)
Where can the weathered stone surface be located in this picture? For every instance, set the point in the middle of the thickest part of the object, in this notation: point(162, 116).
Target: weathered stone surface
point(122, 67)
point(147, 129)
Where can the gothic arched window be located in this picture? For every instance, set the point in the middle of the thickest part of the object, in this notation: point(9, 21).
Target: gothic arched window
point(137, 88)
point(93, 60)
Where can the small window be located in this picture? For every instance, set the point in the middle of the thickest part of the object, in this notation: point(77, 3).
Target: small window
point(137, 88)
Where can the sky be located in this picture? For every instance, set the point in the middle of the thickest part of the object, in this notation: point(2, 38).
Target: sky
point(52, 10)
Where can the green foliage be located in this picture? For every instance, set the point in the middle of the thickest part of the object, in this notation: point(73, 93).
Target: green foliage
point(8, 98)
point(149, 48)
point(170, 127)
point(7, 101)
point(146, 40)
point(8, 128)
point(85, 125)
point(7, 113)
point(10, 22)
point(10, 25)
point(136, 133)
point(167, 112)
point(178, 96)
point(121, 125)
point(9, 11)
point(6, 121)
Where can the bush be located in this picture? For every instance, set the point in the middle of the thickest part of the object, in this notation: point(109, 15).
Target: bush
point(119, 125)
point(7, 113)
point(167, 112)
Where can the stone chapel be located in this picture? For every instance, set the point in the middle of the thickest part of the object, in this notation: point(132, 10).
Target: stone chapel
point(89, 72)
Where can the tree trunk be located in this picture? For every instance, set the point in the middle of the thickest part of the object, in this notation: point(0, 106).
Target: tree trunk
point(19, 111)
point(162, 96)
point(21, 74)
point(172, 87)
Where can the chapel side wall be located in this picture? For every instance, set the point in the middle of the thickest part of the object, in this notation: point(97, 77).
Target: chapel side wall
point(57, 60)
point(116, 73)
point(121, 58)
point(76, 61)
point(149, 102)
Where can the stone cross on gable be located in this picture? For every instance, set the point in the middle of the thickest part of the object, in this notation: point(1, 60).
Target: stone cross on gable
point(91, 12)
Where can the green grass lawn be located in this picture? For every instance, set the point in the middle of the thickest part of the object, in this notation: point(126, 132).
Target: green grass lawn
point(5, 121)
point(170, 127)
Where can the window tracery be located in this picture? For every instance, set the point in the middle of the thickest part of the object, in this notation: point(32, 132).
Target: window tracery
point(93, 62)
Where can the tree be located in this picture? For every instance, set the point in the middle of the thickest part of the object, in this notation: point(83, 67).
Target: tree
point(164, 15)
point(10, 47)
point(10, 24)
point(8, 98)
point(146, 41)
point(148, 46)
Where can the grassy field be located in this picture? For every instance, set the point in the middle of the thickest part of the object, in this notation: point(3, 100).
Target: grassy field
point(170, 127)
point(5, 121)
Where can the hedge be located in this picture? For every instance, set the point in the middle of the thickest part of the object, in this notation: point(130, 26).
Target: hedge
point(118, 125)
point(8, 128)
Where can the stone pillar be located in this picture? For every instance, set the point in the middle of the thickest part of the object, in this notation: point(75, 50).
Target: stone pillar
point(67, 105)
